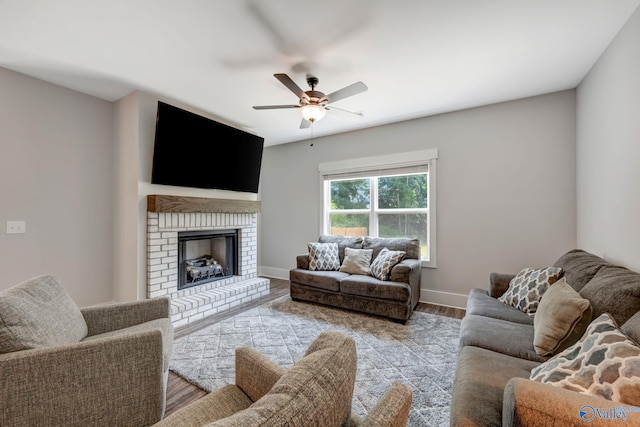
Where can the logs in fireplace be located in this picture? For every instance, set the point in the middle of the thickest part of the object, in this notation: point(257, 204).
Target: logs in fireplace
point(203, 268)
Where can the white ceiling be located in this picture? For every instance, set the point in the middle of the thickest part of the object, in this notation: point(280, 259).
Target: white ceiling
point(418, 57)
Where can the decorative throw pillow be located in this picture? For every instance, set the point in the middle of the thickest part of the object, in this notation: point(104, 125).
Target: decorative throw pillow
point(356, 261)
point(526, 289)
point(561, 318)
point(38, 313)
point(323, 256)
point(384, 262)
point(604, 363)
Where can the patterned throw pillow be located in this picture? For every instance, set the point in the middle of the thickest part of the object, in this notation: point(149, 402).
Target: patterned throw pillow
point(526, 289)
point(323, 256)
point(384, 262)
point(604, 363)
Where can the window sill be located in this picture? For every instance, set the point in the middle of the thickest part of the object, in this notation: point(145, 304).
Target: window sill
point(428, 264)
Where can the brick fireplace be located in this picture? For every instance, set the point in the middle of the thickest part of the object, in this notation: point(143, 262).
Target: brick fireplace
point(167, 216)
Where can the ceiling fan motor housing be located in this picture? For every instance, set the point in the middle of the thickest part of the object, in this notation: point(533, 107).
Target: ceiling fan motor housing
point(313, 97)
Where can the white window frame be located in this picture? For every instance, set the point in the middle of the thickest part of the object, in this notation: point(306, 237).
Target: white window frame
point(377, 166)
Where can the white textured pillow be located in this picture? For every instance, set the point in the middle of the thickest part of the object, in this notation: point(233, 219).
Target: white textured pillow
point(323, 256)
point(356, 261)
point(384, 262)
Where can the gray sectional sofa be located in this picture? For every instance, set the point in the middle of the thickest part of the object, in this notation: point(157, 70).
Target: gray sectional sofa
point(497, 355)
point(394, 298)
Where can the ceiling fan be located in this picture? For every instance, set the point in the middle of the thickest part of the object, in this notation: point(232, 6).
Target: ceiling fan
point(314, 104)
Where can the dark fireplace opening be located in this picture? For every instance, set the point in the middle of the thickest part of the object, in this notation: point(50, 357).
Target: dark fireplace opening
point(206, 256)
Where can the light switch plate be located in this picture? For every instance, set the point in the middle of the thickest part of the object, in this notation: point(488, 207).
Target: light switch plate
point(16, 227)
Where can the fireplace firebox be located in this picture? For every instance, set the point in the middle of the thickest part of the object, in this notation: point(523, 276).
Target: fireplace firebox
point(206, 256)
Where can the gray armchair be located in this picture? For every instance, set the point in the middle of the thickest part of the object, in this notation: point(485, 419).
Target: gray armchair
point(316, 391)
point(65, 366)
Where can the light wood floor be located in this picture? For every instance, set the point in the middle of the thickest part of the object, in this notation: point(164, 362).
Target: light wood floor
point(181, 392)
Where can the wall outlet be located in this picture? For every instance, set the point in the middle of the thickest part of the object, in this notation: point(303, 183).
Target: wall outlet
point(16, 227)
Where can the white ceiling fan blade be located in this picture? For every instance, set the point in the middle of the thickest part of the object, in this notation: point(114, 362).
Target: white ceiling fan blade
point(290, 84)
point(273, 107)
point(305, 124)
point(347, 91)
point(345, 113)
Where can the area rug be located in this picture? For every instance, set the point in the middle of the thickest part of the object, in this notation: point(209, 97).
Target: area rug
point(420, 354)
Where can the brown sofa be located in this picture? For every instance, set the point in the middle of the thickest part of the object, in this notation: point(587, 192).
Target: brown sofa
point(316, 391)
point(394, 298)
point(497, 354)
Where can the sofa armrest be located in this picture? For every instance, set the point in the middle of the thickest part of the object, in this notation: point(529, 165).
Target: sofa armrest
point(406, 271)
point(106, 381)
point(409, 271)
point(530, 403)
point(499, 283)
point(302, 261)
point(392, 409)
point(110, 317)
point(255, 373)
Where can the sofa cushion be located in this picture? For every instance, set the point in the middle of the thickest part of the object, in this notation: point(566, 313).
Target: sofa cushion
point(384, 262)
point(368, 286)
point(480, 303)
point(579, 267)
point(39, 313)
point(343, 243)
point(323, 256)
point(526, 289)
point(561, 319)
point(480, 378)
point(410, 246)
point(328, 280)
point(502, 336)
point(317, 390)
point(356, 261)
point(614, 290)
point(604, 362)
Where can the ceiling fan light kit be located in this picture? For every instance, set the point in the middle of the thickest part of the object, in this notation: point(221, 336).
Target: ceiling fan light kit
point(313, 112)
point(312, 102)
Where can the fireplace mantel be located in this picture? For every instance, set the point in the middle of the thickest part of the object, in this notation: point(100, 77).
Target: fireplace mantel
point(165, 203)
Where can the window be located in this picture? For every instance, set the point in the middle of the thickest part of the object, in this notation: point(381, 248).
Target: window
point(381, 197)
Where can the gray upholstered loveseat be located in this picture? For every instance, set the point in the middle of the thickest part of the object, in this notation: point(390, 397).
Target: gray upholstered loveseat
point(60, 365)
point(497, 354)
point(394, 298)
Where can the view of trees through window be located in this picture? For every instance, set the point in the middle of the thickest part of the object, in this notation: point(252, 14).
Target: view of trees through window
point(381, 206)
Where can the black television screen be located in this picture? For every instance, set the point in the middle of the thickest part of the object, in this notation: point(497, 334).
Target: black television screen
point(194, 151)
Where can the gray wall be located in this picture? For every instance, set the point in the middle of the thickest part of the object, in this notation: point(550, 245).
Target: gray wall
point(505, 191)
point(56, 173)
point(608, 151)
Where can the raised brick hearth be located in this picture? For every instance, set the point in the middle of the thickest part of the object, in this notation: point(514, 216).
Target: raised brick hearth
point(168, 215)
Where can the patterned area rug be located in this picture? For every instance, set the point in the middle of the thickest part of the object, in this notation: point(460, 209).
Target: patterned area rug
point(420, 354)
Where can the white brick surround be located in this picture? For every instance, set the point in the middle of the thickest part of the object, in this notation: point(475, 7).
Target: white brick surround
point(197, 302)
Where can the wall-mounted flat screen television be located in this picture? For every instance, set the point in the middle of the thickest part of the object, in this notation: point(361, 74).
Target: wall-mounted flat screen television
point(194, 151)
